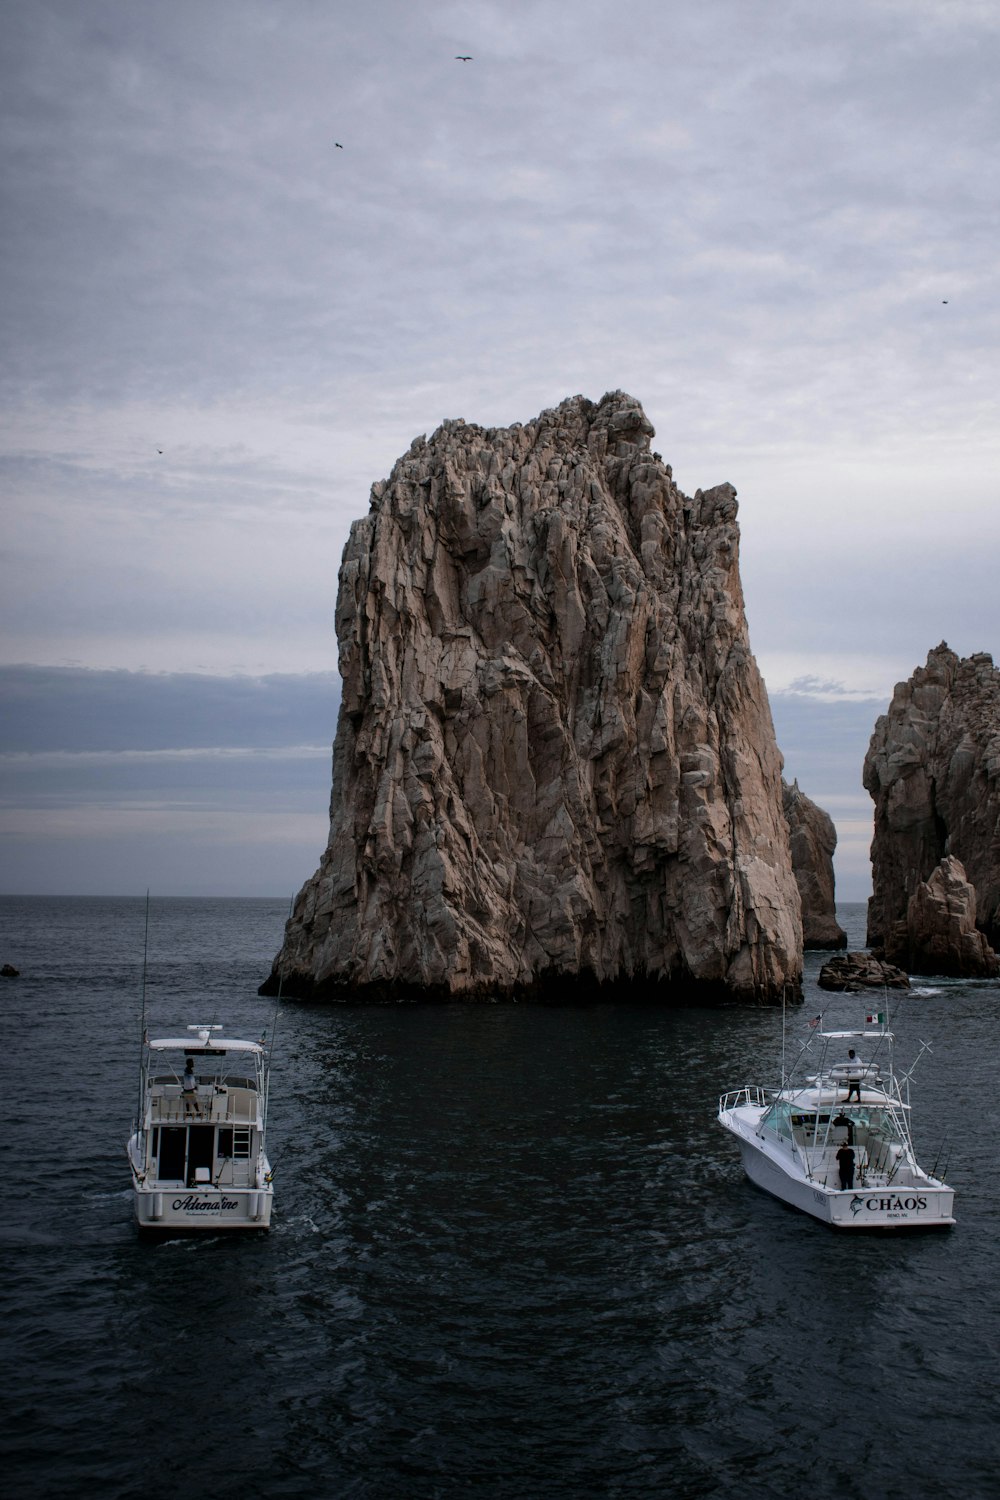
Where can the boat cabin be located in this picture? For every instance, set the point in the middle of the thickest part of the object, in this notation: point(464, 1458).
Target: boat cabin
point(208, 1134)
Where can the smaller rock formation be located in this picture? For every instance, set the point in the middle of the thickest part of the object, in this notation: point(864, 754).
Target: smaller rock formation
point(933, 770)
point(9, 972)
point(813, 840)
point(941, 932)
point(860, 971)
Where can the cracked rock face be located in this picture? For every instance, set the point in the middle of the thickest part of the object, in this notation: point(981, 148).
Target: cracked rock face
point(933, 770)
point(813, 842)
point(555, 772)
point(941, 932)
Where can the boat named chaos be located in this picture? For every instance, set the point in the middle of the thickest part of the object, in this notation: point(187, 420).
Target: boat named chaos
point(839, 1146)
point(197, 1150)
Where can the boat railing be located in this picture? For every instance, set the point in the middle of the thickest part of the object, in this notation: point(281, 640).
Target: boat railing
point(751, 1095)
point(215, 1105)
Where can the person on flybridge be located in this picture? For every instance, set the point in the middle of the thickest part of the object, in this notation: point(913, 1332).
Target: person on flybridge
point(189, 1088)
point(855, 1071)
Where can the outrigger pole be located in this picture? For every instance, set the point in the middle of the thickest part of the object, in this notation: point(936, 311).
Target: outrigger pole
point(142, 1021)
point(274, 1032)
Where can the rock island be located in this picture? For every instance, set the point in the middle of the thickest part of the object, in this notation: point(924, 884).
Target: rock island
point(555, 774)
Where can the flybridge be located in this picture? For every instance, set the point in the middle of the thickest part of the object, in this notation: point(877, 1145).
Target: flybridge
point(206, 1045)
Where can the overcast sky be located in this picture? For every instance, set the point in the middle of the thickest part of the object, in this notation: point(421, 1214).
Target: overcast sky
point(773, 222)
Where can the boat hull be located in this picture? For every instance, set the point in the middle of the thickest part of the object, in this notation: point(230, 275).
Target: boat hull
point(923, 1206)
point(170, 1209)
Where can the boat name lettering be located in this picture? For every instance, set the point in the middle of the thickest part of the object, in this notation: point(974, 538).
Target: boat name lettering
point(191, 1204)
point(888, 1205)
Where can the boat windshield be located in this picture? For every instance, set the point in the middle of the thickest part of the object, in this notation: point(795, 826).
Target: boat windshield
point(857, 1124)
point(778, 1117)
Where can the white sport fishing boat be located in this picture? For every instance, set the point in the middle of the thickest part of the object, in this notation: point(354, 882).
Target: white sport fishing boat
point(197, 1150)
point(839, 1145)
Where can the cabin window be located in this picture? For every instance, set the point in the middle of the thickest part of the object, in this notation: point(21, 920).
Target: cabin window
point(882, 1123)
point(811, 1129)
point(156, 1140)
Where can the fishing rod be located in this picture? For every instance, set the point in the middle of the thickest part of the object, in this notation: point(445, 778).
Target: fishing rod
point(142, 1018)
point(941, 1150)
point(274, 1033)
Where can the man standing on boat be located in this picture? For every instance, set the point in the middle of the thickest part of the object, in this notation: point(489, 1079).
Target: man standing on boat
point(855, 1073)
point(845, 1161)
point(189, 1088)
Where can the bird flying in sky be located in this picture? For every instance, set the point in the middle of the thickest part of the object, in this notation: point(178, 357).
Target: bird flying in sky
point(460, 58)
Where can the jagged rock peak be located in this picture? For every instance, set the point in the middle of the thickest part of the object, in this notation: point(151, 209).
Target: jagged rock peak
point(933, 770)
point(813, 842)
point(555, 770)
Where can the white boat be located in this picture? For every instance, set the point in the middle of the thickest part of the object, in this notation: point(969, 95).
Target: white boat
point(794, 1140)
point(197, 1149)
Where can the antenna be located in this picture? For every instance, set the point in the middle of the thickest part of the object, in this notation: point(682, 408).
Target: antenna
point(274, 1033)
point(142, 1016)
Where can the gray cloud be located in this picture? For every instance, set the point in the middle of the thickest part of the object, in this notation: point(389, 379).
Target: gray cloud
point(73, 709)
point(824, 742)
point(117, 781)
point(751, 217)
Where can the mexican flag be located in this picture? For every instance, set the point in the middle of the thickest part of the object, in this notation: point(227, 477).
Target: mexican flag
point(876, 1018)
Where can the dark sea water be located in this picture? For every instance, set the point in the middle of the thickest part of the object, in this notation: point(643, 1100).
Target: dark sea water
point(513, 1255)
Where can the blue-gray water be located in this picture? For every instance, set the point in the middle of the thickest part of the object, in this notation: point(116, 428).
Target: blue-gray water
point(513, 1254)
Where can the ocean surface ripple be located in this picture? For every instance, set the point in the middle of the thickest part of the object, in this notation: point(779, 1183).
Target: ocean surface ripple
point(512, 1253)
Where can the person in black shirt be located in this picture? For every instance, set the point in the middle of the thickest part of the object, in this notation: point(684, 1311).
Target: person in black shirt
point(845, 1161)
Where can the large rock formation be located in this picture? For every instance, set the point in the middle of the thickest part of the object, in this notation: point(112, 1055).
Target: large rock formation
point(941, 932)
point(813, 841)
point(933, 769)
point(555, 772)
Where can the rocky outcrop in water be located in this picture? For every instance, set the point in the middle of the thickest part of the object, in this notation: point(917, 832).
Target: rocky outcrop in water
point(861, 971)
point(941, 932)
point(555, 772)
point(933, 770)
point(813, 840)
